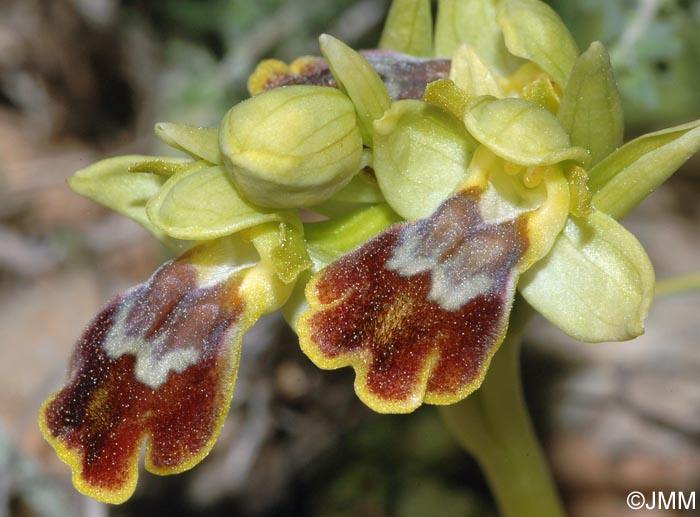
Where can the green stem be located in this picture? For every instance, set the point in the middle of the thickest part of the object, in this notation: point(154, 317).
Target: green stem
point(494, 426)
point(678, 285)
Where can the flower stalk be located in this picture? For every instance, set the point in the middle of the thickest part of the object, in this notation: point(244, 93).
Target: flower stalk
point(494, 426)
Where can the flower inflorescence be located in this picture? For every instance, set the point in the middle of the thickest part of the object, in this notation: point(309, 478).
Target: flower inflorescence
point(453, 167)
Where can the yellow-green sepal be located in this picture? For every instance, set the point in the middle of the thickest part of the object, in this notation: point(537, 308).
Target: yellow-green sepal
point(357, 78)
point(110, 183)
point(623, 179)
point(533, 31)
point(409, 28)
point(596, 283)
point(201, 143)
point(421, 152)
point(521, 131)
point(202, 203)
point(472, 22)
point(474, 75)
point(591, 109)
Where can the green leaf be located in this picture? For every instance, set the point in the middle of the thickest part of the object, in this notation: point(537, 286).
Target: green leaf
point(596, 283)
point(591, 110)
point(409, 28)
point(521, 131)
point(201, 204)
point(110, 183)
point(357, 78)
point(623, 179)
point(533, 31)
point(198, 142)
point(472, 22)
point(421, 154)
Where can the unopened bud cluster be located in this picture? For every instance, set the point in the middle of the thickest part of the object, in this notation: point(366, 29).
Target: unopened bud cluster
point(292, 146)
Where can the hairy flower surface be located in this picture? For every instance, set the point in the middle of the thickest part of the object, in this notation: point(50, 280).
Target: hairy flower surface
point(456, 165)
point(420, 309)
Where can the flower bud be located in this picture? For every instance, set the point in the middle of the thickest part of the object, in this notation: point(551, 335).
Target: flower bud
point(291, 146)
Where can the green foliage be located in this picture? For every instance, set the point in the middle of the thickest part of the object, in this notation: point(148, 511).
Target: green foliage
point(654, 48)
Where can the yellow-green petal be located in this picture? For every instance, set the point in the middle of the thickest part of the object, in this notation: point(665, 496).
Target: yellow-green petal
point(421, 154)
point(521, 131)
point(163, 167)
point(409, 28)
point(110, 183)
point(357, 78)
point(204, 204)
point(446, 94)
point(623, 179)
point(533, 31)
point(591, 110)
point(198, 142)
point(542, 91)
point(596, 284)
point(282, 246)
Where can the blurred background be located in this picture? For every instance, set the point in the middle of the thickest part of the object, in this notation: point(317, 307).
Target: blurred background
point(85, 79)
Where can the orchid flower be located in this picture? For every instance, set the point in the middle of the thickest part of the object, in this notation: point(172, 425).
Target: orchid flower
point(454, 167)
